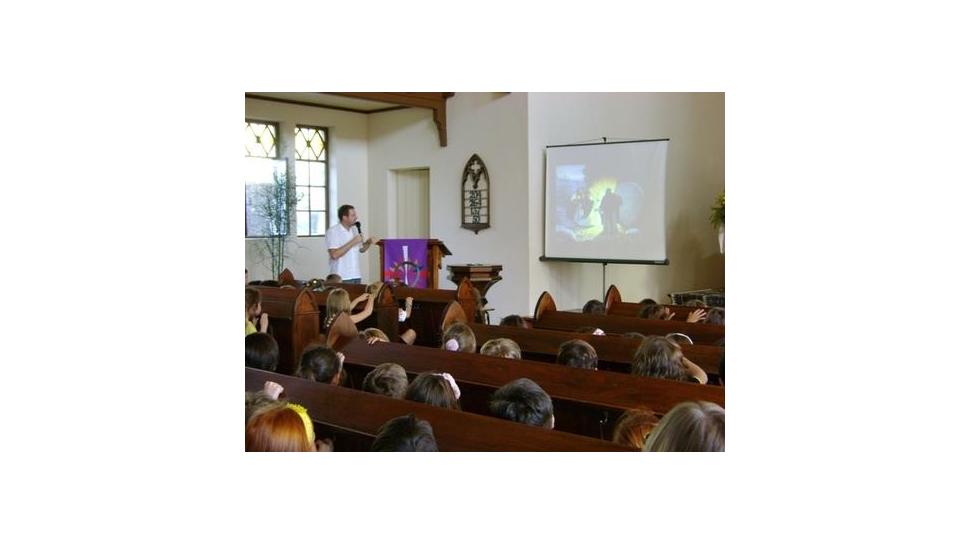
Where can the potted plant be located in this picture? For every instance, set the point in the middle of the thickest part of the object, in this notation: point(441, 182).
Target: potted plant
point(274, 206)
point(717, 219)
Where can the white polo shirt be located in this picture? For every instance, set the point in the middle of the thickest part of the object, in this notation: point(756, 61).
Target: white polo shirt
point(348, 265)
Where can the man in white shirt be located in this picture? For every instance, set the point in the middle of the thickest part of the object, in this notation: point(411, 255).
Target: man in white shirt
point(342, 239)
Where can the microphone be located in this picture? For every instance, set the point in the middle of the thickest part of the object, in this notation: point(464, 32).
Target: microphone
point(359, 231)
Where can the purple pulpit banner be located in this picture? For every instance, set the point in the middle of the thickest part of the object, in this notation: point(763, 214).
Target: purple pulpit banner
point(406, 261)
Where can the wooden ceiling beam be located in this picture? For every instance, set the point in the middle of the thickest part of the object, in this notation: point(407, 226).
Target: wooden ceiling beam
point(436, 102)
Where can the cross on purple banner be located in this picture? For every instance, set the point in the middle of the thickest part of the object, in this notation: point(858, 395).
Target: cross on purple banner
point(406, 261)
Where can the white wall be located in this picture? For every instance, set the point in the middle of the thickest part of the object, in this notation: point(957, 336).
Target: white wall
point(694, 122)
point(493, 125)
point(347, 154)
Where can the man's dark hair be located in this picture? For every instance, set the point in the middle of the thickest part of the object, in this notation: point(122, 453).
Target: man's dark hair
point(522, 401)
point(405, 434)
point(319, 364)
point(344, 211)
point(577, 353)
point(594, 306)
point(262, 352)
point(647, 301)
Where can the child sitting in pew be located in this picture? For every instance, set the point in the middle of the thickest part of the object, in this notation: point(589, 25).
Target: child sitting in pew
point(502, 348)
point(577, 353)
point(633, 428)
point(435, 389)
point(406, 334)
point(254, 311)
point(691, 426)
point(660, 357)
point(256, 401)
point(594, 306)
point(283, 427)
point(523, 401)
point(660, 312)
point(514, 320)
point(262, 352)
point(458, 337)
point(373, 335)
point(321, 364)
point(339, 301)
point(405, 434)
point(715, 316)
point(387, 379)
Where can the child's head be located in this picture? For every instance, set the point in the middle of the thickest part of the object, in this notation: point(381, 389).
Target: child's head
point(462, 334)
point(679, 338)
point(502, 348)
point(253, 306)
point(594, 306)
point(715, 316)
point(387, 379)
point(523, 401)
point(513, 320)
point(405, 434)
point(660, 358)
point(633, 428)
point(333, 278)
point(647, 301)
point(433, 389)
point(373, 332)
point(577, 353)
point(320, 364)
point(691, 426)
point(257, 401)
point(337, 301)
point(374, 287)
point(262, 352)
point(280, 428)
point(653, 312)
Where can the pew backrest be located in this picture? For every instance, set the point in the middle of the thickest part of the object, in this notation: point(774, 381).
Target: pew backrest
point(355, 417)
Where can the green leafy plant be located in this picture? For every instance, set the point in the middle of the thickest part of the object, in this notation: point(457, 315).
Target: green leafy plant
point(275, 203)
point(717, 211)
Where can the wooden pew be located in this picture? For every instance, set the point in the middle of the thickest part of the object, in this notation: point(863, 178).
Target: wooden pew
point(547, 317)
point(429, 308)
point(286, 278)
point(295, 322)
point(585, 402)
point(615, 305)
point(614, 352)
point(384, 316)
point(352, 418)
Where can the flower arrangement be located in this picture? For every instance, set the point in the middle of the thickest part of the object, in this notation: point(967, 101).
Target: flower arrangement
point(717, 211)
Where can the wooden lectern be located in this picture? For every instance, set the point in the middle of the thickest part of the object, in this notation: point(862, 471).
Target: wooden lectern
point(436, 250)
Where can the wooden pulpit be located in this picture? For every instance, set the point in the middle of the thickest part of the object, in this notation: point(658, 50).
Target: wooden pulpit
point(436, 251)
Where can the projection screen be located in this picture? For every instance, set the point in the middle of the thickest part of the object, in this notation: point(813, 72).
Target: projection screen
point(605, 202)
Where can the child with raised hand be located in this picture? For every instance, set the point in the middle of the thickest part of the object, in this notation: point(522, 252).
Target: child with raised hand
point(339, 301)
point(254, 312)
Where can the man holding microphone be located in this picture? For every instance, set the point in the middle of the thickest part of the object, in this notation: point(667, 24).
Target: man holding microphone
point(342, 241)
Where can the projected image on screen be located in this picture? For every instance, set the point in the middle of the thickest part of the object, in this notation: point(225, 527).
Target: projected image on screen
point(587, 209)
point(606, 202)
